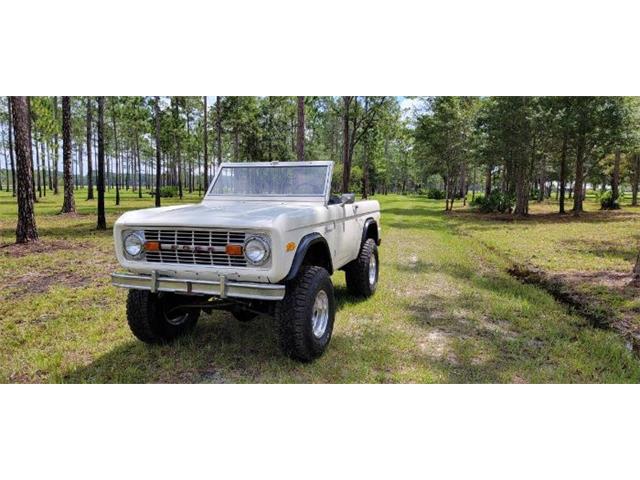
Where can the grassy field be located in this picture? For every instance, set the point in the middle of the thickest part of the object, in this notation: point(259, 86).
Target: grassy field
point(591, 256)
point(446, 309)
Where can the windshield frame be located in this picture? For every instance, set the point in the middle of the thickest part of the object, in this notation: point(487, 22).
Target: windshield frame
point(324, 197)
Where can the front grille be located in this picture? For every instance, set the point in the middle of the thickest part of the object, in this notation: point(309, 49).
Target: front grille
point(199, 241)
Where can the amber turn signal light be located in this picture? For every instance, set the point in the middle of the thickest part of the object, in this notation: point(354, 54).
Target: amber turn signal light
point(152, 246)
point(232, 249)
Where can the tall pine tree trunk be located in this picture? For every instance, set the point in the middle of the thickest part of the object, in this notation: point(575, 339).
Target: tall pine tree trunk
point(69, 205)
point(56, 146)
point(176, 138)
point(346, 141)
point(563, 173)
point(37, 171)
point(543, 179)
point(523, 159)
point(365, 163)
point(115, 143)
point(615, 178)
point(577, 188)
point(102, 222)
point(635, 180)
point(156, 110)
point(300, 129)
point(139, 165)
point(33, 175)
point(44, 169)
point(206, 146)
point(13, 169)
point(89, 162)
point(49, 166)
point(218, 133)
point(26, 230)
point(487, 182)
point(80, 176)
point(6, 164)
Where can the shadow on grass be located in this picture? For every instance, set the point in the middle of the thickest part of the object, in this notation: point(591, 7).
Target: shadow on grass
point(220, 350)
point(598, 248)
point(219, 344)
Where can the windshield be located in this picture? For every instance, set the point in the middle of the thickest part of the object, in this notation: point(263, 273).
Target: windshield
point(284, 181)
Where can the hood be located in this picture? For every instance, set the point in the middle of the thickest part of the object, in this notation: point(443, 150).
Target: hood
point(242, 214)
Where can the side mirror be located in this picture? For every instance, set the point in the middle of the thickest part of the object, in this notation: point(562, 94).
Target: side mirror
point(346, 198)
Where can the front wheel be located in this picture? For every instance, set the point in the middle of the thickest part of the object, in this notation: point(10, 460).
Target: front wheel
point(159, 317)
point(362, 273)
point(305, 316)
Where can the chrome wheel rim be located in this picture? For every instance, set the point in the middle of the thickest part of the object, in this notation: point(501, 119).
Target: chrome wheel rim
point(320, 315)
point(373, 270)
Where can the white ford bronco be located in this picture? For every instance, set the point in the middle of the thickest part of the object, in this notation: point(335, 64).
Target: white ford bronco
point(265, 240)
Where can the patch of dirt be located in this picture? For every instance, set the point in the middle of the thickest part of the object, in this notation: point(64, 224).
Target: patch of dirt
point(618, 280)
point(499, 328)
point(41, 246)
point(518, 379)
point(602, 248)
point(579, 290)
point(41, 282)
point(437, 345)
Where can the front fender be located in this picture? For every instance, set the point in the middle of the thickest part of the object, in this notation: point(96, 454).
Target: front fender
point(308, 241)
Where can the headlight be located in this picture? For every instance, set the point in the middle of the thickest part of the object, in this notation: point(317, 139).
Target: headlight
point(134, 243)
point(256, 250)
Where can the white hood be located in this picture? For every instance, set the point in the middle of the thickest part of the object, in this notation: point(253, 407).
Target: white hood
point(224, 214)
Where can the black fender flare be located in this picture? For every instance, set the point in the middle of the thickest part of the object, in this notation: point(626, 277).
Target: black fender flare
point(301, 252)
point(365, 228)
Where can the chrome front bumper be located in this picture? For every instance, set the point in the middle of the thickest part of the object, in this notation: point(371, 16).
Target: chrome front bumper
point(222, 288)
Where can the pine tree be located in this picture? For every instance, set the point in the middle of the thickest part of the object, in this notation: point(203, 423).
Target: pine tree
point(26, 230)
point(68, 205)
point(89, 160)
point(102, 223)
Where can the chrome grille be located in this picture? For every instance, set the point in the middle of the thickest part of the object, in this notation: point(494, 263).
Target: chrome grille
point(216, 256)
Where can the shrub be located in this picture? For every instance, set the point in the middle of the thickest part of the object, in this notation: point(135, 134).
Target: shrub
point(496, 202)
point(168, 192)
point(607, 202)
point(435, 194)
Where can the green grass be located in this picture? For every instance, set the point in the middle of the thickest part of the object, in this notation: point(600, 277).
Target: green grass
point(593, 253)
point(446, 310)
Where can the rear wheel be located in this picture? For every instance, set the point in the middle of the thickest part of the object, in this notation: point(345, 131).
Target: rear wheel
point(159, 317)
point(305, 316)
point(362, 273)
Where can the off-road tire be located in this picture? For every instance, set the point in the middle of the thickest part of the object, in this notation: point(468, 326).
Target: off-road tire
point(147, 320)
point(294, 326)
point(243, 315)
point(357, 272)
